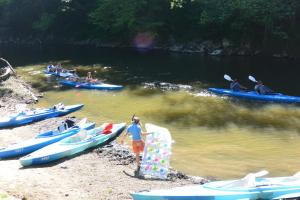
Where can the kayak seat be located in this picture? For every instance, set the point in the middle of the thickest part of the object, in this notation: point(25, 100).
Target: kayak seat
point(77, 138)
point(62, 127)
point(248, 181)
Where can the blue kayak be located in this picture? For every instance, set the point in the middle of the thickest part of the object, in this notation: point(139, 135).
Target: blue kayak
point(248, 188)
point(252, 95)
point(95, 86)
point(43, 140)
point(74, 144)
point(27, 117)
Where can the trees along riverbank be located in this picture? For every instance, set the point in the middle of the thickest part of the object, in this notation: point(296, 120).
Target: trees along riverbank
point(217, 27)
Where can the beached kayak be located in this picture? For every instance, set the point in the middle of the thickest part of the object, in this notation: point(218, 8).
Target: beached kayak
point(44, 139)
point(27, 117)
point(252, 95)
point(95, 86)
point(247, 188)
point(74, 144)
point(63, 74)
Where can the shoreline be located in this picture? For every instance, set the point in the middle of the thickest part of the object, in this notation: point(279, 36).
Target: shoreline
point(103, 172)
point(211, 48)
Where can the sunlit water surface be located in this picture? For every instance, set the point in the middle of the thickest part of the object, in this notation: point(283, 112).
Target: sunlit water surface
point(213, 136)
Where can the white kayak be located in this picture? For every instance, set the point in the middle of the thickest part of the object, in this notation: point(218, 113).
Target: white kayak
point(74, 144)
point(251, 187)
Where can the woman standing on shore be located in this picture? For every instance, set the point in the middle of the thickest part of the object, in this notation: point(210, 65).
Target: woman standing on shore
point(137, 142)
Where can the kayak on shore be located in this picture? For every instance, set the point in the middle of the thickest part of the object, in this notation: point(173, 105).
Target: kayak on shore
point(86, 85)
point(247, 188)
point(27, 117)
point(44, 139)
point(252, 95)
point(74, 144)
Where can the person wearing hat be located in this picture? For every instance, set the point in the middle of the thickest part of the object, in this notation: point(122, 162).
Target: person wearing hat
point(135, 131)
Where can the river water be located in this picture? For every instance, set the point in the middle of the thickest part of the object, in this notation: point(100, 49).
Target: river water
point(214, 136)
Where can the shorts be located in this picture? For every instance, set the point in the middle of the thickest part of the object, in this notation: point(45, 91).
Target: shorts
point(138, 146)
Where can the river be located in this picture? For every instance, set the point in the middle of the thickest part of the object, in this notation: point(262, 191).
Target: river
point(214, 136)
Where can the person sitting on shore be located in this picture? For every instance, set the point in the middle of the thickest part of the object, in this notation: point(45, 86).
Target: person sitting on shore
point(137, 142)
point(260, 88)
point(236, 86)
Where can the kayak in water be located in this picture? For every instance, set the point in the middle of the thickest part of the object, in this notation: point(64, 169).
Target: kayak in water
point(26, 117)
point(252, 95)
point(87, 85)
point(58, 71)
point(250, 187)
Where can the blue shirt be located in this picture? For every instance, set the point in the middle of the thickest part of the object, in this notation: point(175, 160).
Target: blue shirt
point(135, 130)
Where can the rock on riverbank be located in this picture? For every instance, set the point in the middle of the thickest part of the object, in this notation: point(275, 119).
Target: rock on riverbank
point(15, 94)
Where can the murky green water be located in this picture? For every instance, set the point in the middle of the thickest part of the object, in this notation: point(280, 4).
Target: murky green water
point(214, 136)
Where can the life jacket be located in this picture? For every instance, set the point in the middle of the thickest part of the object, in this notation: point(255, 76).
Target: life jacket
point(235, 86)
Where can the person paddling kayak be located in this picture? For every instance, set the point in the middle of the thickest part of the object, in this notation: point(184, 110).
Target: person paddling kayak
point(260, 88)
point(236, 86)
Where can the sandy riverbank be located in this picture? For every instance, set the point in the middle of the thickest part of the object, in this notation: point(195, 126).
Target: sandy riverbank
point(104, 173)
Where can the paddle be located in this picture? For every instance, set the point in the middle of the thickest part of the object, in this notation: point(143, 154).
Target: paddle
point(227, 77)
point(251, 78)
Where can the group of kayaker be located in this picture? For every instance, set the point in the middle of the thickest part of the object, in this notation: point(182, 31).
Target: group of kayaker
point(55, 68)
point(259, 87)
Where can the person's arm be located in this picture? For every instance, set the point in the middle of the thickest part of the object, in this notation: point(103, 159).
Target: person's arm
point(146, 133)
point(124, 136)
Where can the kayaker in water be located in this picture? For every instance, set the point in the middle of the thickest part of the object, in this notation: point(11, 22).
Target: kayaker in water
point(137, 142)
point(260, 88)
point(235, 86)
point(73, 78)
point(90, 79)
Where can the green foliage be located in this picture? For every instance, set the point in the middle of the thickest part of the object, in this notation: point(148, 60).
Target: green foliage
point(44, 22)
point(257, 22)
point(116, 16)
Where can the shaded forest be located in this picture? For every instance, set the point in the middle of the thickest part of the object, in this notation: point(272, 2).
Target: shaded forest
point(269, 26)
